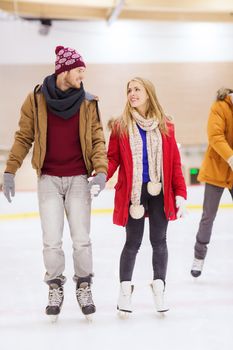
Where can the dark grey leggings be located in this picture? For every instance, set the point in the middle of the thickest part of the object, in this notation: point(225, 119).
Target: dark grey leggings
point(134, 234)
point(212, 198)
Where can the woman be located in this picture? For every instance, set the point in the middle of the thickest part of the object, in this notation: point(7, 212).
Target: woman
point(150, 181)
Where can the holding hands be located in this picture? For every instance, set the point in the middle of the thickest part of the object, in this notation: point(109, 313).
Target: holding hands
point(97, 184)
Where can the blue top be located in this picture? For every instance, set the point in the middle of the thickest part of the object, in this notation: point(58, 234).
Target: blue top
point(145, 164)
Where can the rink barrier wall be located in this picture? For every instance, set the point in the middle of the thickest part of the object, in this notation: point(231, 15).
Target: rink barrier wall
point(35, 215)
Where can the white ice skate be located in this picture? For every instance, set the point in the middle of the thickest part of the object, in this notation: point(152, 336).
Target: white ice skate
point(197, 267)
point(157, 287)
point(124, 304)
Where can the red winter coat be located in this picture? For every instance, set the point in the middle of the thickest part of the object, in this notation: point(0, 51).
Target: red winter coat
point(119, 154)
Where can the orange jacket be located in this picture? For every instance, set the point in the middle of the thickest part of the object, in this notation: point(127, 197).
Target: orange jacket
point(215, 169)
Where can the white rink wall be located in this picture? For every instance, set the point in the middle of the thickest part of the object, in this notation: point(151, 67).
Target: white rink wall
point(26, 202)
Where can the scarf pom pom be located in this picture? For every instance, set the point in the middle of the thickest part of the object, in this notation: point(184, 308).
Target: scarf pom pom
point(136, 211)
point(154, 188)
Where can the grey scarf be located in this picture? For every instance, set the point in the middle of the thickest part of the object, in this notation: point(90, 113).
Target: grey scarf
point(64, 104)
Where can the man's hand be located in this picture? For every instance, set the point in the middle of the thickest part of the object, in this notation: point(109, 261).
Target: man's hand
point(8, 186)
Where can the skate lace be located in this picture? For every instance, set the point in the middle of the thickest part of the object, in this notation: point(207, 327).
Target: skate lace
point(55, 296)
point(197, 264)
point(84, 296)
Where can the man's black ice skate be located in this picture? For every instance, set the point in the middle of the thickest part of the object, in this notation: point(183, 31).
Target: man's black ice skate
point(85, 301)
point(56, 297)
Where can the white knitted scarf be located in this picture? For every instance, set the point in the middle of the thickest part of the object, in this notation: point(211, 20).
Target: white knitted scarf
point(154, 152)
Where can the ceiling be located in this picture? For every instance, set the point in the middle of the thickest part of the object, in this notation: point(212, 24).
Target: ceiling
point(111, 10)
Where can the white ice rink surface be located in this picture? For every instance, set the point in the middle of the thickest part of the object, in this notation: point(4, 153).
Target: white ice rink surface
point(201, 311)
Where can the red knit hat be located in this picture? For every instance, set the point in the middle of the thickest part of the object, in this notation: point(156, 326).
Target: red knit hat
point(67, 59)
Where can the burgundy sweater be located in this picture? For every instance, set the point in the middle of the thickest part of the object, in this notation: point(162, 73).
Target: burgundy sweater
point(63, 152)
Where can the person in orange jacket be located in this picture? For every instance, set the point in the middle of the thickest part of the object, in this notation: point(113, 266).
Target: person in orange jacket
point(150, 181)
point(216, 171)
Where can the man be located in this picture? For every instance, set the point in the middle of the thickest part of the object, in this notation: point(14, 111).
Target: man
point(216, 171)
point(63, 123)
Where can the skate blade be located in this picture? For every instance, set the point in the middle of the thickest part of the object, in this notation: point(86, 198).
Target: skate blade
point(89, 318)
point(162, 311)
point(196, 279)
point(124, 315)
point(53, 318)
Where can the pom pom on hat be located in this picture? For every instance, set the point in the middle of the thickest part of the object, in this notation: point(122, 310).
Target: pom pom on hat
point(58, 48)
point(67, 59)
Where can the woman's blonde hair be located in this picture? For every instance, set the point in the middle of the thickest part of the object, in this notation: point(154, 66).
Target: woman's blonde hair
point(154, 109)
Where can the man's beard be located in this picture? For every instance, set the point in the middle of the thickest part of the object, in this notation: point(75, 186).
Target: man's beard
point(72, 85)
